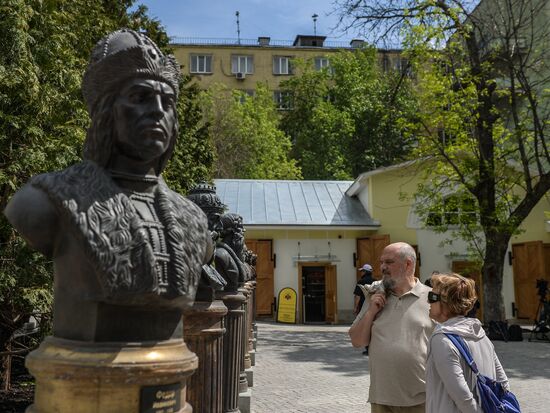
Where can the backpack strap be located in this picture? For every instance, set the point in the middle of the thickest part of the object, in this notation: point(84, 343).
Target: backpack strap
point(462, 348)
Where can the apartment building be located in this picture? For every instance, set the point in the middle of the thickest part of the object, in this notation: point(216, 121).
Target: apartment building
point(242, 63)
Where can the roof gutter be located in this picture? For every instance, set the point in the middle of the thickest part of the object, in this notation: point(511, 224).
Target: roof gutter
point(374, 227)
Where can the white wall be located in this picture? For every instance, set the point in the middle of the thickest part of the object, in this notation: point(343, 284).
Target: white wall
point(435, 256)
point(286, 272)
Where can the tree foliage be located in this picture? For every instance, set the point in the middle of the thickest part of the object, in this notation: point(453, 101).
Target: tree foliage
point(193, 158)
point(483, 75)
point(343, 119)
point(44, 49)
point(245, 134)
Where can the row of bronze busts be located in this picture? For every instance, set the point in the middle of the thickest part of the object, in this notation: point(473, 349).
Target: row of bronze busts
point(226, 383)
point(232, 260)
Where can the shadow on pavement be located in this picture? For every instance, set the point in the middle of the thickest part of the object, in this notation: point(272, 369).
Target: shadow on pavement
point(524, 360)
point(330, 348)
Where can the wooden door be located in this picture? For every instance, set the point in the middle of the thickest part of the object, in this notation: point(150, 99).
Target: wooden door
point(469, 269)
point(417, 265)
point(369, 250)
point(546, 253)
point(528, 266)
point(331, 304)
point(264, 275)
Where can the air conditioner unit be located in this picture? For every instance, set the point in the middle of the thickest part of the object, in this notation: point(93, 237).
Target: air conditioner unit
point(240, 75)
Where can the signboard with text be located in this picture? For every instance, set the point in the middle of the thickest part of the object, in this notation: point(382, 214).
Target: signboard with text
point(286, 306)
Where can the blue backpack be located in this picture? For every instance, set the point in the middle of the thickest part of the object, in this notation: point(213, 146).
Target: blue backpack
point(493, 397)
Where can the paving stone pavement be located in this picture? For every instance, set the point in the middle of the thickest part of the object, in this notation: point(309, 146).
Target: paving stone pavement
point(314, 369)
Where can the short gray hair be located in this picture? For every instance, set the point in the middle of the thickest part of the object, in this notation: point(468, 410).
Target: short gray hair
point(407, 251)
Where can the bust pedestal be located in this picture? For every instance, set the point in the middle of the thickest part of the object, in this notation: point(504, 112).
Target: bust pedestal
point(203, 332)
point(243, 381)
point(252, 326)
point(232, 348)
point(85, 377)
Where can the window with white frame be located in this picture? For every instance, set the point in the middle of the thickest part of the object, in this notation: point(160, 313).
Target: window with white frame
point(321, 63)
point(281, 65)
point(283, 99)
point(201, 63)
point(242, 64)
point(453, 211)
point(246, 94)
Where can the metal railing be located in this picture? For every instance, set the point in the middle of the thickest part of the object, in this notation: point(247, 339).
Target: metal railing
point(209, 41)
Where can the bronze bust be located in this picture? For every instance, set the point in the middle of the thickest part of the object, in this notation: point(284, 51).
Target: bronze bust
point(127, 250)
point(229, 253)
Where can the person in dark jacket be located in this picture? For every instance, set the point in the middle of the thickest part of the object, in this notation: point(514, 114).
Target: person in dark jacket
point(359, 297)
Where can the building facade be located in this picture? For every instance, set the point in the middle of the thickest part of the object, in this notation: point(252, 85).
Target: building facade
point(312, 236)
point(241, 64)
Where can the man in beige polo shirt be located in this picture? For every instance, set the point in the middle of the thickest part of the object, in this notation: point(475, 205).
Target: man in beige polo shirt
point(396, 326)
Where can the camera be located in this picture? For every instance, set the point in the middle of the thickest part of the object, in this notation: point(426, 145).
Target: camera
point(542, 289)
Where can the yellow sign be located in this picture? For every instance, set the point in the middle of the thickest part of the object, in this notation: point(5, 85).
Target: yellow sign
point(286, 306)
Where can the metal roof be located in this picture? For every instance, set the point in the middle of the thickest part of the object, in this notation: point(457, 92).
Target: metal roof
point(293, 203)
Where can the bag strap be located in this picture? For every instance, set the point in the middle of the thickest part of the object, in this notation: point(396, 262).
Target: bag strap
point(462, 348)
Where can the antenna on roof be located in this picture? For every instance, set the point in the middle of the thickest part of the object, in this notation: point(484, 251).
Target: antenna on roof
point(314, 17)
point(238, 28)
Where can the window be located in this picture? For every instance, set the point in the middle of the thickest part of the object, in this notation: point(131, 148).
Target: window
point(283, 100)
point(385, 63)
point(242, 64)
point(454, 211)
point(321, 63)
point(246, 93)
point(445, 137)
point(402, 66)
point(201, 63)
point(281, 65)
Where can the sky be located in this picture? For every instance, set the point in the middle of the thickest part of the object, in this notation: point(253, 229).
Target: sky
point(278, 19)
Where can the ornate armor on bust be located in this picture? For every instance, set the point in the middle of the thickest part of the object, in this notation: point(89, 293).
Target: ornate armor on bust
point(134, 240)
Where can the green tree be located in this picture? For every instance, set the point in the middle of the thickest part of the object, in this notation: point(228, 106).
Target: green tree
point(244, 131)
point(343, 119)
point(44, 49)
point(483, 74)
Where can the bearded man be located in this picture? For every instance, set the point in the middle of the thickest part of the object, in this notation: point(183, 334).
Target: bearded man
point(230, 249)
point(396, 326)
point(127, 250)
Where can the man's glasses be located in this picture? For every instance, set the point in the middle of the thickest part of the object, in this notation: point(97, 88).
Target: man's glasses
point(433, 297)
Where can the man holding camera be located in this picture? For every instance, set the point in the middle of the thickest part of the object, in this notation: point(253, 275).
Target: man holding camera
point(396, 326)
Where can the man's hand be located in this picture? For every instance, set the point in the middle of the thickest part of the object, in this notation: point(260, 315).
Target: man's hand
point(359, 331)
point(377, 303)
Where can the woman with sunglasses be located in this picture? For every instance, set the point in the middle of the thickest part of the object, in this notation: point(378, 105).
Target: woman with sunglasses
point(450, 383)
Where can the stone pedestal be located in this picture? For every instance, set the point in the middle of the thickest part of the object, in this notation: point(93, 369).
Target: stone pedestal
point(254, 325)
point(232, 349)
point(250, 321)
point(245, 401)
point(245, 357)
point(73, 376)
point(203, 333)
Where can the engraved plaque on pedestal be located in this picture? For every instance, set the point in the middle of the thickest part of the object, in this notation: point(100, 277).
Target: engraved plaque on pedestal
point(161, 399)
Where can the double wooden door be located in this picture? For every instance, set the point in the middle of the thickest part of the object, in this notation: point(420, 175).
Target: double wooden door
point(369, 250)
point(326, 274)
point(264, 275)
point(531, 262)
